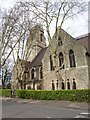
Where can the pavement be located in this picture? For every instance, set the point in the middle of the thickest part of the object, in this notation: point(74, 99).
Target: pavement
point(57, 103)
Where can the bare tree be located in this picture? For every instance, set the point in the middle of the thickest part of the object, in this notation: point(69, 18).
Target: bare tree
point(55, 13)
point(6, 71)
point(16, 25)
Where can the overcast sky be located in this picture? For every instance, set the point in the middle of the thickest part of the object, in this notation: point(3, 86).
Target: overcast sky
point(75, 27)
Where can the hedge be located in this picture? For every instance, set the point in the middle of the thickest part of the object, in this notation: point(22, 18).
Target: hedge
point(5, 92)
point(66, 95)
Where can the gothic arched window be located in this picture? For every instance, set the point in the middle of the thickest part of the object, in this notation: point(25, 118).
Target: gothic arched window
point(63, 86)
point(57, 84)
point(32, 73)
point(59, 41)
point(53, 86)
point(68, 84)
point(51, 63)
point(41, 37)
point(41, 75)
point(72, 58)
point(61, 60)
point(74, 84)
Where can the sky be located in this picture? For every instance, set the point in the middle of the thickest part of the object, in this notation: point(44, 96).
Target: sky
point(74, 27)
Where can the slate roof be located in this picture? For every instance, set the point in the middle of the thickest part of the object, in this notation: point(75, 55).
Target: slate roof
point(85, 41)
point(38, 59)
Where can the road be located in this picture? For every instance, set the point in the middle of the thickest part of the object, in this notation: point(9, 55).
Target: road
point(40, 109)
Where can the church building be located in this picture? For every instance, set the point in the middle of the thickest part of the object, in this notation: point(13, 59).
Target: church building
point(64, 64)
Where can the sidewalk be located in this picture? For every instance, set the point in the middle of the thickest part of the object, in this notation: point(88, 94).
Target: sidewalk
point(53, 103)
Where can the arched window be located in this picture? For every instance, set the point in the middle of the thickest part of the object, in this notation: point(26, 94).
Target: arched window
point(41, 37)
point(72, 59)
point(41, 75)
point(68, 84)
point(51, 63)
point(74, 84)
point(57, 84)
point(32, 73)
point(53, 87)
point(63, 86)
point(61, 60)
point(59, 41)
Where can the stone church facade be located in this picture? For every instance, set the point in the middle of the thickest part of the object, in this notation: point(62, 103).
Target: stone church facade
point(64, 64)
point(74, 59)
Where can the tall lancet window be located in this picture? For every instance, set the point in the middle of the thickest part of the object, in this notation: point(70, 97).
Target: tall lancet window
point(74, 84)
point(72, 59)
point(41, 74)
point(59, 41)
point(51, 63)
point(41, 37)
point(61, 60)
point(32, 73)
point(68, 84)
point(63, 85)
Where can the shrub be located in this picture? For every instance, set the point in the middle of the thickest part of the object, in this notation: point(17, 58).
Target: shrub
point(67, 95)
point(21, 93)
point(82, 95)
point(6, 92)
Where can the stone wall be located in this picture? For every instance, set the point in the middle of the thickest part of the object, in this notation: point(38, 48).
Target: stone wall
point(80, 72)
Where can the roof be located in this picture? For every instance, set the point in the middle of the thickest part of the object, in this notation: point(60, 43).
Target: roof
point(85, 41)
point(81, 36)
point(38, 59)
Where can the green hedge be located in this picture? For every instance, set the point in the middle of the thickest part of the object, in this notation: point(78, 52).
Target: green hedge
point(66, 95)
point(6, 92)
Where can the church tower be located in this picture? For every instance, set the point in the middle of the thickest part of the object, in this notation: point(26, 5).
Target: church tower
point(35, 42)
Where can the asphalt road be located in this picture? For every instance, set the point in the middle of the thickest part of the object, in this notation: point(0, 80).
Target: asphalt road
point(39, 109)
